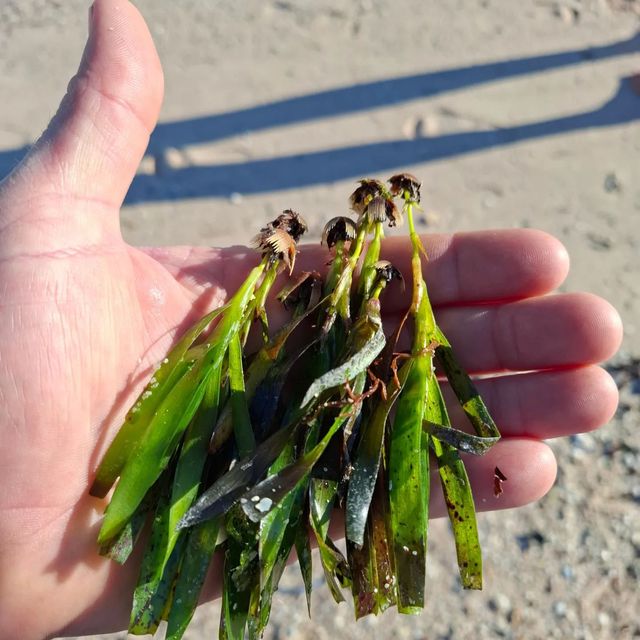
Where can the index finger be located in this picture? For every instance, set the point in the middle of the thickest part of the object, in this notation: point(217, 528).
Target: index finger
point(477, 267)
point(481, 266)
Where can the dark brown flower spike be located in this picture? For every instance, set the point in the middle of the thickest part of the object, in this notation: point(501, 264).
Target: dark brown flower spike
point(406, 186)
point(368, 189)
point(386, 271)
point(339, 229)
point(380, 209)
point(292, 222)
point(376, 210)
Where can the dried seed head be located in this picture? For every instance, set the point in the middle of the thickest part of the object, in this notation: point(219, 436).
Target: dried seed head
point(406, 186)
point(339, 229)
point(369, 188)
point(277, 244)
point(380, 209)
point(292, 222)
point(387, 272)
point(278, 239)
point(283, 247)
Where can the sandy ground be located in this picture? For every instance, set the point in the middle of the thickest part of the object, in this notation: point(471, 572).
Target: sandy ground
point(513, 113)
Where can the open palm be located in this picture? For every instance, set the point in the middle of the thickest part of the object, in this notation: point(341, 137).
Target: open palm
point(84, 316)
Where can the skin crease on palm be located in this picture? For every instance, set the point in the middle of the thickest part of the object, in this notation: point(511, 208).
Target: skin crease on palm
point(84, 317)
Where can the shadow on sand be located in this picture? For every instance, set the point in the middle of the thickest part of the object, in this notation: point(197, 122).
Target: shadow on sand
point(324, 166)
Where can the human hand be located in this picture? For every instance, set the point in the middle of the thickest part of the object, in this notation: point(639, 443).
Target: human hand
point(84, 317)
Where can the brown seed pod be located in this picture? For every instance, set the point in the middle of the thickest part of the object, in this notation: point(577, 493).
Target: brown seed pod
point(386, 271)
point(369, 188)
point(339, 229)
point(406, 186)
point(292, 222)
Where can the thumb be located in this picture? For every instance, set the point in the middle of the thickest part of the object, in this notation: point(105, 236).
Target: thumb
point(92, 147)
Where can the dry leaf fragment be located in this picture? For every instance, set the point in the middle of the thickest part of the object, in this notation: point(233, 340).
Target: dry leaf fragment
point(498, 479)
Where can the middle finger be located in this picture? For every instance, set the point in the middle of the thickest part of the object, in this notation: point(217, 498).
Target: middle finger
point(549, 332)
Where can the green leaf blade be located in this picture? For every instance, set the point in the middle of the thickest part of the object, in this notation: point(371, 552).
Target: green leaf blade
point(199, 549)
point(153, 590)
point(153, 452)
point(245, 474)
point(407, 488)
point(457, 495)
point(367, 462)
point(242, 428)
point(152, 455)
point(464, 389)
point(347, 371)
point(241, 585)
point(140, 415)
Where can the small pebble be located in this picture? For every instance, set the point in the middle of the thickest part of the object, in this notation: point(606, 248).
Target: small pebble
point(527, 540)
point(568, 15)
point(147, 166)
point(566, 572)
point(171, 159)
point(500, 603)
point(598, 241)
point(611, 183)
point(604, 619)
point(560, 608)
point(264, 505)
